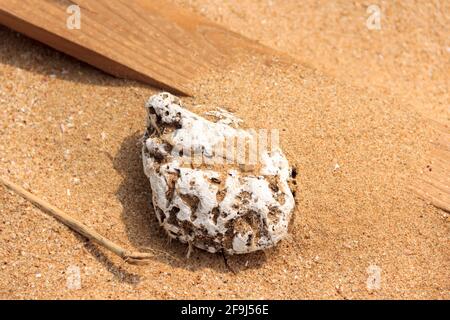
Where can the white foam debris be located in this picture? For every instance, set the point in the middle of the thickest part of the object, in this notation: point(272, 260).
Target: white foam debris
point(224, 117)
point(213, 205)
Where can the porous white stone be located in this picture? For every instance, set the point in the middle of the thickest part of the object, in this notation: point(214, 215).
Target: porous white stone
point(213, 205)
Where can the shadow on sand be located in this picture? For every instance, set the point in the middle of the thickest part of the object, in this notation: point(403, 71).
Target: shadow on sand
point(24, 53)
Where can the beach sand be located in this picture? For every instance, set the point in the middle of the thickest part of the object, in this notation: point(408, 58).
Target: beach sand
point(409, 56)
point(70, 134)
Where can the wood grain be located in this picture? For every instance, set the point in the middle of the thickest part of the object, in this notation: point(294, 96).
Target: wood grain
point(434, 183)
point(150, 41)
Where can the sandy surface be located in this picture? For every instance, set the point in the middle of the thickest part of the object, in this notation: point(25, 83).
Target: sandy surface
point(408, 57)
point(70, 134)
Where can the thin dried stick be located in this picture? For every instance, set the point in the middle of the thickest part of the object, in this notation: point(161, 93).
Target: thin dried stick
point(128, 256)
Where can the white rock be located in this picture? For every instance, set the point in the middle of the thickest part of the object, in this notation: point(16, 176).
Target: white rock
point(214, 204)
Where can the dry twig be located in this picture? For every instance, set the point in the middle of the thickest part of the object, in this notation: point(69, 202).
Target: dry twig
point(128, 256)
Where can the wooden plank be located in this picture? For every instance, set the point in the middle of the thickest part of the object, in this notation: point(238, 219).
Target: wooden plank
point(433, 185)
point(150, 41)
